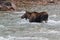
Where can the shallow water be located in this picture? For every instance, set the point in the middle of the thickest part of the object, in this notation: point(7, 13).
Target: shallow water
point(12, 27)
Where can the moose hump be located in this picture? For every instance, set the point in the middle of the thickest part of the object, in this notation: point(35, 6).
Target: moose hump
point(35, 16)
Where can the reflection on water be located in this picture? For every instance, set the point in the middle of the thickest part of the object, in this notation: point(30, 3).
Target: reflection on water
point(12, 27)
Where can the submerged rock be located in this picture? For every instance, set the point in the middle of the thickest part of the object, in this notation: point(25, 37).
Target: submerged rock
point(7, 6)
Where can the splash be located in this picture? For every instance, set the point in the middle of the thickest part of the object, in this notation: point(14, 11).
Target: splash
point(53, 22)
point(23, 38)
point(19, 12)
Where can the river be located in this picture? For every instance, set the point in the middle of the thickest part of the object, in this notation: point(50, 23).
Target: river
point(12, 27)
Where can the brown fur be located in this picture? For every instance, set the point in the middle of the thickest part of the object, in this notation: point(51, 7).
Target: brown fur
point(35, 16)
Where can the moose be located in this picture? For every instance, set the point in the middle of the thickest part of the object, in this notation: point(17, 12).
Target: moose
point(35, 16)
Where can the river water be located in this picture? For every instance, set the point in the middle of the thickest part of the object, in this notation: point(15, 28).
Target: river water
point(12, 27)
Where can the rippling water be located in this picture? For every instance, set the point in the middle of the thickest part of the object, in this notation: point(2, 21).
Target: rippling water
point(12, 27)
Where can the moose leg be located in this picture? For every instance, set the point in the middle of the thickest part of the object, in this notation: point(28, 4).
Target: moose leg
point(46, 18)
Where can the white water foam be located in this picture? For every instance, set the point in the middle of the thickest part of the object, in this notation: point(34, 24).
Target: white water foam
point(23, 21)
point(19, 12)
point(50, 22)
point(44, 30)
point(54, 16)
point(53, 31)
point(53, 22)
point(23, 38)
point(2, 26)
